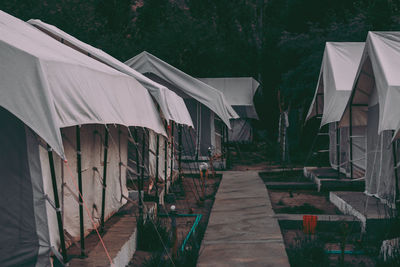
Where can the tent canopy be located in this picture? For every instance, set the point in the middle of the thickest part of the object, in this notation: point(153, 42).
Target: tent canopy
point(338, 70)
point(48, 86)
point(239, 92)
point(378, 70)
point(171, 105)
point(205, 94)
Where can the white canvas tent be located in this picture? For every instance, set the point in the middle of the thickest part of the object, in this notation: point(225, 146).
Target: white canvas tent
point(338, 71)
point(47, 88)
point(239, 92)
point(171, 105)
point(202, 101)
point(374, 104)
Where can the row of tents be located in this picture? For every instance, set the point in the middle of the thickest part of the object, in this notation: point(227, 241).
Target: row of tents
point(357, 95)
point(77, 124)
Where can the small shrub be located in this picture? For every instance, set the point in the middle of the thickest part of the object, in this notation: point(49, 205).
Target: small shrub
point(308, 251)
point(153, 235)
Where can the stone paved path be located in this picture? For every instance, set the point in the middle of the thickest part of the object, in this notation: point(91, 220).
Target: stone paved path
point(242, 230)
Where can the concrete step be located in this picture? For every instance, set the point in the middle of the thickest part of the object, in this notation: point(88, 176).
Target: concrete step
point(291, 185)
point(327, 180)
point(375, 217)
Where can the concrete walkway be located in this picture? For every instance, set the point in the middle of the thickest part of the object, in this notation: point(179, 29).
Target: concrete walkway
point(242, 230)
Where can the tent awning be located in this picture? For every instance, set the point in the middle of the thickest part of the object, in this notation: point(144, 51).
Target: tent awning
point(205, 94)
point(338, 71)
point(238, 91)
point(49, 86)
point(377, 82)
point(171, 105)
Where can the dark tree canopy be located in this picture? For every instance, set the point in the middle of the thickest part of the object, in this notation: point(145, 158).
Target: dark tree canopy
point(279, 42)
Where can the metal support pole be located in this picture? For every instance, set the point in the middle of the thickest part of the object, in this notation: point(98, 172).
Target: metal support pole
point(180, 153)
point(143, 158)
point(165, 168)
point(172, 151)
point(138, 169)
point(351, 139)
point(174, 230)
point(396, 176)
point(57, 205)
point(139, 184)
point(338, 148)
point(228, 156)
point(79, 170)
point(157, 164)
point(103, 197)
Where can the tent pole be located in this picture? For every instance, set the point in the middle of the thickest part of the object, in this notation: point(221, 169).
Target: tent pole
point(338, 148)
point(222, 143)
point(157, 163)
point(79, 169)
point(140, 221)
point(396, 175)
point(143, 158)
point(57, 204)
point(172, 151)
point(351, 138)
point(165, 168)
point(180, 152)
point(103, 197)
point(228, 162)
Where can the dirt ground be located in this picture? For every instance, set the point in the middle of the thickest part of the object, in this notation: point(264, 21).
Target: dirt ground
point(301, 202)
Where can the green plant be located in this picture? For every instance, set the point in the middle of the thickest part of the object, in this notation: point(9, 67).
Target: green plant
point(307, 251)
point(154, 235)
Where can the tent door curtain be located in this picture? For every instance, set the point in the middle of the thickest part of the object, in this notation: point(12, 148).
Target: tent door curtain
point(23, 225)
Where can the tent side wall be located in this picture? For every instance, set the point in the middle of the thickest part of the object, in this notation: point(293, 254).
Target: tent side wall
point(380, 179)
point(161, 156)
point(241, 131)
point(23, 224)
point(92, 149)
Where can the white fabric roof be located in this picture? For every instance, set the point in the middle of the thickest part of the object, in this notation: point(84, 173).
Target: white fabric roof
point(238, 91)
point(172, 106)
point(338, 71)
point(205, 94)
point(49, 86)
point(379, 68)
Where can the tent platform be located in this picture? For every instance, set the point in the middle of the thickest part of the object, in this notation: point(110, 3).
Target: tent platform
point(370, 211)
point(326, 179)
point(119, 237)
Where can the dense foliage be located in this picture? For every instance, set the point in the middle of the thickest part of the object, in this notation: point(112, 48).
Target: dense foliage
point(279, 42)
